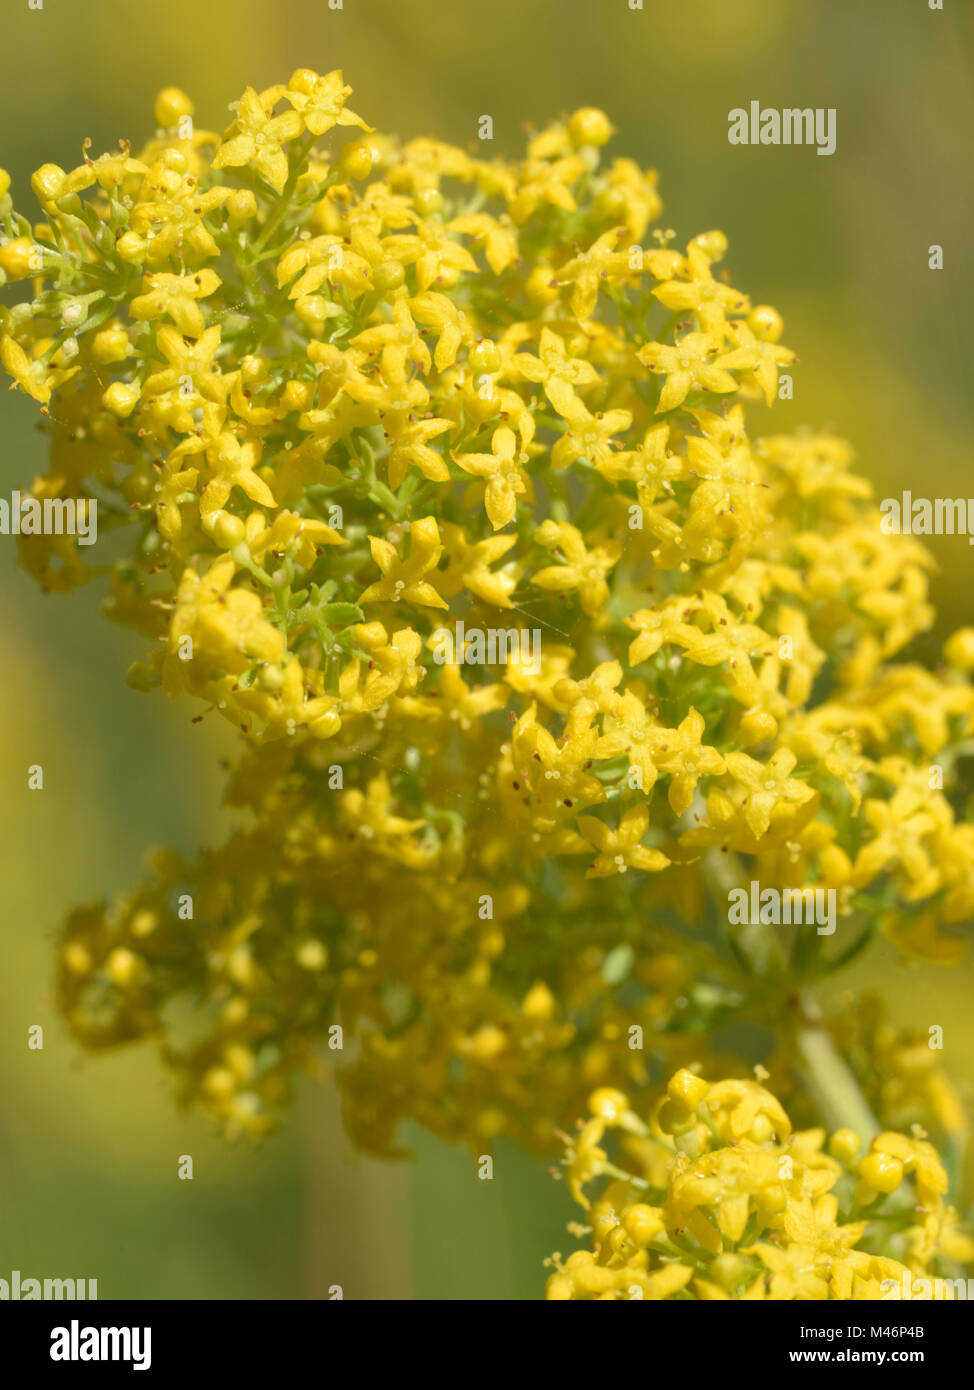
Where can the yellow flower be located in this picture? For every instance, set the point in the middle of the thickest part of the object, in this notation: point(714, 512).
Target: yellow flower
point(900, 830)
point(767, 786)
point(585, 569)
point(590, 437)
point(502, 470)
point(232, 464)
point(410, 447)
point(320, 101)
point(450, 323)
point(257, 138)
point(402, 579)
point(176, 296)
point(621, 849)
point(36, 378)
point(694, 289)
point(500, 241)
point(687, 364)
point(588, 271)
point(557, 372)
point(758, 358)
point(681, 753)
point(470, 567)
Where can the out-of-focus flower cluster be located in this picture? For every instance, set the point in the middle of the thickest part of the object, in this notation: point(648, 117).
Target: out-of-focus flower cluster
point(332, 397)
point(715, 1196)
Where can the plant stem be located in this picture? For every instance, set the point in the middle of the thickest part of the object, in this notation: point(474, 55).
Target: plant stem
point(832, 1085)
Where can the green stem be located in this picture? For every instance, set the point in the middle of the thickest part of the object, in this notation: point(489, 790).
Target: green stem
point(832, 1085)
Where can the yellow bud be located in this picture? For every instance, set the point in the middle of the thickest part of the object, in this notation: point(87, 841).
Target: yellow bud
point(642, 1223)
point(355, 159)
point(326, 724)
point(538, 1003)
point(253, 369)
point(488, 1042)
point(171, 106)
point(120, 399)
point(844, 1145)
point(311, 954)
point(303, 80)
point(143, 923)
point(712, 244)
point(122, 966)
point(297, 395)
point(493, 943)
point(169, 181)
point(388, 276)
point(428, 201)
point(766, 323)
point(608, 1103)
point(727, 1270)
point(241, 207)
point(484, 356)
point(110, 345)
point(757, 726)
point(226, 529)
point(4, 183)
point(959, 649)
point(540, 287)
point(312, 310)
point(774, 1198)
point(47, 182)
point(612, 204)
point(881, 1172)
point(131, 247)
point(77, 958)
point(20, 258)
point(590, 126)
point(219, 1082)
point(686, 1089)
point(559, 1288)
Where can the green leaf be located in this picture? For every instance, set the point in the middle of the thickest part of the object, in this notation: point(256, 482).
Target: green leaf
point(341, 614)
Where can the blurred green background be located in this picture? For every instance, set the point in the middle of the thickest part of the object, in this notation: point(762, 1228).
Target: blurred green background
point(89, 1149)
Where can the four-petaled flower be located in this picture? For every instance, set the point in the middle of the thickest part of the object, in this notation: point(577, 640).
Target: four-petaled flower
point(402, 580)
point(585, 570)
point(258, 136)
point(621, 849)
point(502, 468)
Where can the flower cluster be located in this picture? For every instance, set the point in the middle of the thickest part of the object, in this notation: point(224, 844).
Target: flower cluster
point(720, 1199)
point(331, 394)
